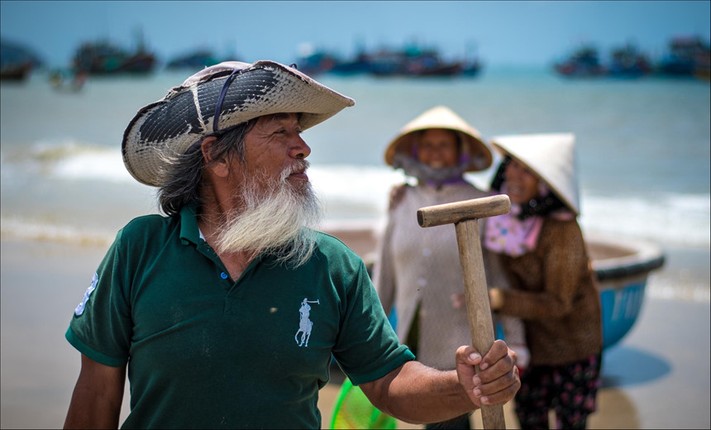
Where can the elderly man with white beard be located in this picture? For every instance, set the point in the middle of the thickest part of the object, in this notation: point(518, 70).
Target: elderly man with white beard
point(227, 310)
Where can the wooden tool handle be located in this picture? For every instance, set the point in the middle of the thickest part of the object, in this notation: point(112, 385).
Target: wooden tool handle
point(476, 294)
point(464, 215)
point(452, 213)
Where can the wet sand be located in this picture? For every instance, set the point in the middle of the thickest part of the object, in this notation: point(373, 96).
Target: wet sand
point(657, 377)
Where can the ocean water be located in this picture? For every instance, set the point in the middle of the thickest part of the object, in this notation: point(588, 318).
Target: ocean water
point(642, 149)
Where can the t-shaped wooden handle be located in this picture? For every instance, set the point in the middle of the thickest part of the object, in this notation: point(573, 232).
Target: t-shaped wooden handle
point(465, 215)
point(455, 212)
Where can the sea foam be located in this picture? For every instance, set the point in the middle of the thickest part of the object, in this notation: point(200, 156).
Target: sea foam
point(361, 192)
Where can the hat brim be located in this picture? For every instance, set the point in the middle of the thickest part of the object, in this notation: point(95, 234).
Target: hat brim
point(163, 130)
point(550, 158)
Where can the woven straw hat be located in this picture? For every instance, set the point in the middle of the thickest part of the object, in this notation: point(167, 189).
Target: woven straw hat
point(475, 151)
point(163, 130)
point(551, 157)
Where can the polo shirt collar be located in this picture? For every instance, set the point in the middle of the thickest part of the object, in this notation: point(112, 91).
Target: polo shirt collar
point(189, 232)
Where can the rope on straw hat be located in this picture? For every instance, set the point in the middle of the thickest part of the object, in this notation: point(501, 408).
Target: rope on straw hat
point(221, 99)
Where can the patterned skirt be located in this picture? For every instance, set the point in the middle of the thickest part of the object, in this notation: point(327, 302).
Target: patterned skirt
point(570, 390)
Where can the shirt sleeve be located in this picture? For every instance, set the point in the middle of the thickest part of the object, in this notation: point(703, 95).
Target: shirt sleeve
point(368, 347)
point(100, 327)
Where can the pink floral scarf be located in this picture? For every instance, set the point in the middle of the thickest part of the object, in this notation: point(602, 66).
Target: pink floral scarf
point(509, 235)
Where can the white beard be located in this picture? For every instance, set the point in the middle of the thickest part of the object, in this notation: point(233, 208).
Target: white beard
point(278, 221)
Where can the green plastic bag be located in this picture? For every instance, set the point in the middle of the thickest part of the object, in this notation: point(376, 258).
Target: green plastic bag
point(353, 410)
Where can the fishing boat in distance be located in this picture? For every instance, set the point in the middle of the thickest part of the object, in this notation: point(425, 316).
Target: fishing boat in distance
point(15, 72)
point(410, 61)
point(106, 58)
point(628, 62)
point(315, 61)
point(193, 60)
point(584, 62)
point(16, 61)
point(622, 268)
point(686, 56)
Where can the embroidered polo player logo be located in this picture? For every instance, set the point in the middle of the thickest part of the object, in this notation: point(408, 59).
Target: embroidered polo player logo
point(79, 310)
point(305, 324)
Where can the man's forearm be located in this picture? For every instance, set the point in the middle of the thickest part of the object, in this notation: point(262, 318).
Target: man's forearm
point(97, 397)
point(419, 394)
point(91, 410)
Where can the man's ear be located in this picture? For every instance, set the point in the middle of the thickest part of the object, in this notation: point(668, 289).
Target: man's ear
point(218, 167)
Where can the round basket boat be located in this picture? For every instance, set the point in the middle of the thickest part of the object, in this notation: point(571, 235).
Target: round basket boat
point(622, 268)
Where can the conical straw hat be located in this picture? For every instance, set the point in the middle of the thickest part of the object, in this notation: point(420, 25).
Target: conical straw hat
point(551, 157)
point(475, 151)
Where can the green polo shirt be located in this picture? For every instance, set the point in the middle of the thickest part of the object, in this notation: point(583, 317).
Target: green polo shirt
point(205, 351)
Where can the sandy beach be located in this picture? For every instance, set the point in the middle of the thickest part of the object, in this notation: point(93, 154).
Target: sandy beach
point(657, 377)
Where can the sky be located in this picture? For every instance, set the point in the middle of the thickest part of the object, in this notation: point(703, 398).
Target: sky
point(499, 32)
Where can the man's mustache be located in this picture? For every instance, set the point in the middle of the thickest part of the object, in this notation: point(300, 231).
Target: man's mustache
point(298, 166)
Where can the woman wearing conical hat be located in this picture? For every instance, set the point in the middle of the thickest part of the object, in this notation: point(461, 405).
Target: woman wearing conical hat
point(541, 249)
point(418, 271)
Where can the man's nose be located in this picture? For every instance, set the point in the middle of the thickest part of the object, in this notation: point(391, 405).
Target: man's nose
point(299, 148)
